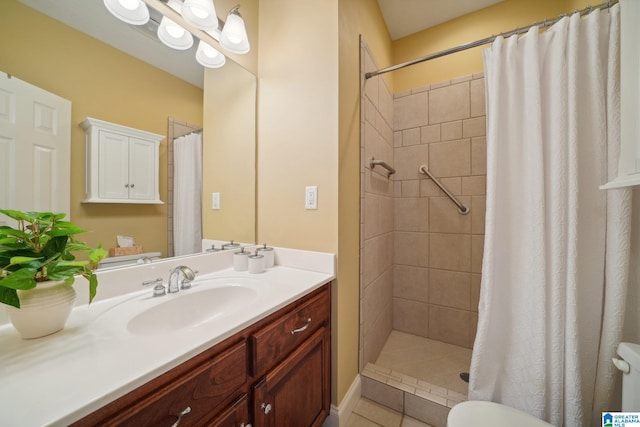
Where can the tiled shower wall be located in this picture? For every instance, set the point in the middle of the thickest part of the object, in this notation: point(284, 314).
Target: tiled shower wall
point(376, 210)
point(420, 259)
point(438, 251)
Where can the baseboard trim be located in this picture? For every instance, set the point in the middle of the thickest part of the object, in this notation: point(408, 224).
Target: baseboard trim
point(338, 416)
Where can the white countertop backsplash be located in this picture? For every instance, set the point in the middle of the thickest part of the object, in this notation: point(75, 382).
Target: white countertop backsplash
point(58, 379)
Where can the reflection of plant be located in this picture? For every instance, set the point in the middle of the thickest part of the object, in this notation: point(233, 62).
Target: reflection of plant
point(40, 249)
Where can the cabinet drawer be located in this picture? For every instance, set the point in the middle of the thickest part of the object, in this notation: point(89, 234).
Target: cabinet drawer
point(278, 339)
point(201, 390)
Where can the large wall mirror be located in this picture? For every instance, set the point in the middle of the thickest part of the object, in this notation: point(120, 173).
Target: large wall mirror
point(103, 82)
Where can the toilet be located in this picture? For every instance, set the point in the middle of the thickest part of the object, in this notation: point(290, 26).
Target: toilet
point(481, 414)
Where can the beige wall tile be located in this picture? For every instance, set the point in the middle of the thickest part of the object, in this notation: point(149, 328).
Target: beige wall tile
point(411, 248)
point(474, 185)
point(376, 183)
point(430, 134)
point(474, 127)
point(477, 98)
point(407, 160)
point(476, 279)
point(451, 158)
point(449, 325)
point(410, 137)
point(385, 395)
point(478, 209)
point(450, 288)
point(449, 103)
point(477, 250)
point(451, 130)
point(377, 298)
point(473, 326)
point(385, 102)
point(450, 251)
point(425, 410)
point(410, 317)
point(376, 335)
point(428, 188)
point(453, 185)
point(384, 128)
point(410, 188)
point(378, 211)
point(397, 139)
point(411, 214)
point(378, 256)
point(411, 283)
point(445, 218)
point(479, 155)
point(438, 85)
point(411, 111)
point(462, 79)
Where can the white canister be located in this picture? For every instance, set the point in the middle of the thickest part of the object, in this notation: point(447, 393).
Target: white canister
point(269, 257)
point(256, 263)
point(241, 260)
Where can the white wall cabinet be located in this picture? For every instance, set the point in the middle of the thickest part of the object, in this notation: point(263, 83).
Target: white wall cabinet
point(122, 164)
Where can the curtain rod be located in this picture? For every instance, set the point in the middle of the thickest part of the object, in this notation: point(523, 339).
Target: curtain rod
point(487, 40)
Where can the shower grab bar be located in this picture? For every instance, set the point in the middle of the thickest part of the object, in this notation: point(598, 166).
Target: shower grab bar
point(461, 208)
point(373, 163)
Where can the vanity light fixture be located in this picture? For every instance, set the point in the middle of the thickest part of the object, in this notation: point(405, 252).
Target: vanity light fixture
point(208, 56)
point(173, 35)
point(134, 12)
point(234, 34)
point(198, 13)
point(201, 14)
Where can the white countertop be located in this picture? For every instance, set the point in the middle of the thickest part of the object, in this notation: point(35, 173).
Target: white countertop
point(58, 379)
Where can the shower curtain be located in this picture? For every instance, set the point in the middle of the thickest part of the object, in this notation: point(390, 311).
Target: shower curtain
point(556, 247)
point(187, 194)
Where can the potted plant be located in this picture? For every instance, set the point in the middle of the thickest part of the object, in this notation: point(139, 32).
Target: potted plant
point(37, 269)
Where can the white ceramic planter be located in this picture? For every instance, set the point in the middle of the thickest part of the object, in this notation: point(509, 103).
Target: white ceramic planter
point(43, 309)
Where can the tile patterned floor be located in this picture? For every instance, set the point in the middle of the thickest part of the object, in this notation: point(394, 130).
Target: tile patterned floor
point(427, 360)
point(370, 414)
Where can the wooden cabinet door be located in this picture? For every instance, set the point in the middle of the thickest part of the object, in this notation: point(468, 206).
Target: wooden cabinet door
point(296, 392)
point(236, 416)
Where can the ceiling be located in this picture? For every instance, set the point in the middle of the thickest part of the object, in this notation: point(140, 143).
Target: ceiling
point(405, 17)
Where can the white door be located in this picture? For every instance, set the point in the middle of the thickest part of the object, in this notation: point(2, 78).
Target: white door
point(35, 148)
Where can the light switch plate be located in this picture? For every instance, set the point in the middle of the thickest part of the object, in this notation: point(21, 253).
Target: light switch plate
point(215, 201)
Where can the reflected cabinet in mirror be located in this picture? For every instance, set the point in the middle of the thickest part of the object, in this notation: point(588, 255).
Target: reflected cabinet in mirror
point(108, 84)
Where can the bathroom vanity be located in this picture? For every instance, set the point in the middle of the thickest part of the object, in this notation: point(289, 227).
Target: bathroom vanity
point(237, 349)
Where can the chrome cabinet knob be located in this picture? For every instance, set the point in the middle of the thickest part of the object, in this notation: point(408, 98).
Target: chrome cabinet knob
point(266, 408)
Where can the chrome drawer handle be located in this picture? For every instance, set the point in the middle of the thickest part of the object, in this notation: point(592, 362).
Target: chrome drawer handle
point(266, 408)
point(295, 331)
point(184, 412)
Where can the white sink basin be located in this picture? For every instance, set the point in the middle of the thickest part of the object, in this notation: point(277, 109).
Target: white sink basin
point(190, 310)
point(206, 301)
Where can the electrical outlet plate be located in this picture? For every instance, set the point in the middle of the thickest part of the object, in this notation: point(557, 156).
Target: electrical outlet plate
point(311, 197)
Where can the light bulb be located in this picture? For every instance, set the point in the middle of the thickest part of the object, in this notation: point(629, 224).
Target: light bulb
point(175, 30)
point(129, 4)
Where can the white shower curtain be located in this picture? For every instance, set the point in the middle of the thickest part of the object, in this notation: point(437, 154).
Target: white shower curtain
point(556, 247)
point(187, 194)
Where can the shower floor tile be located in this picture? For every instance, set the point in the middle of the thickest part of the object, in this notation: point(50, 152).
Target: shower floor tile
point(413, 360)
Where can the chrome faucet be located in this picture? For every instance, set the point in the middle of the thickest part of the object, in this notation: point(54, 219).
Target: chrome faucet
point(187, 276)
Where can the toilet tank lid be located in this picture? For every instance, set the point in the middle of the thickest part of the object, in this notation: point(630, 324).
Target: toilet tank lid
point(630, 353)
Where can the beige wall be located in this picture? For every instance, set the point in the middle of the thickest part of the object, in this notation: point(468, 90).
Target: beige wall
point(229, 154)
point(504, 16)
point(106, 84)
point(356, 17)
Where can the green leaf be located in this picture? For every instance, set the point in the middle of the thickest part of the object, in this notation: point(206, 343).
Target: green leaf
point(23, 259)
point(93, 287)
point(9, 297)
point(21, 279)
